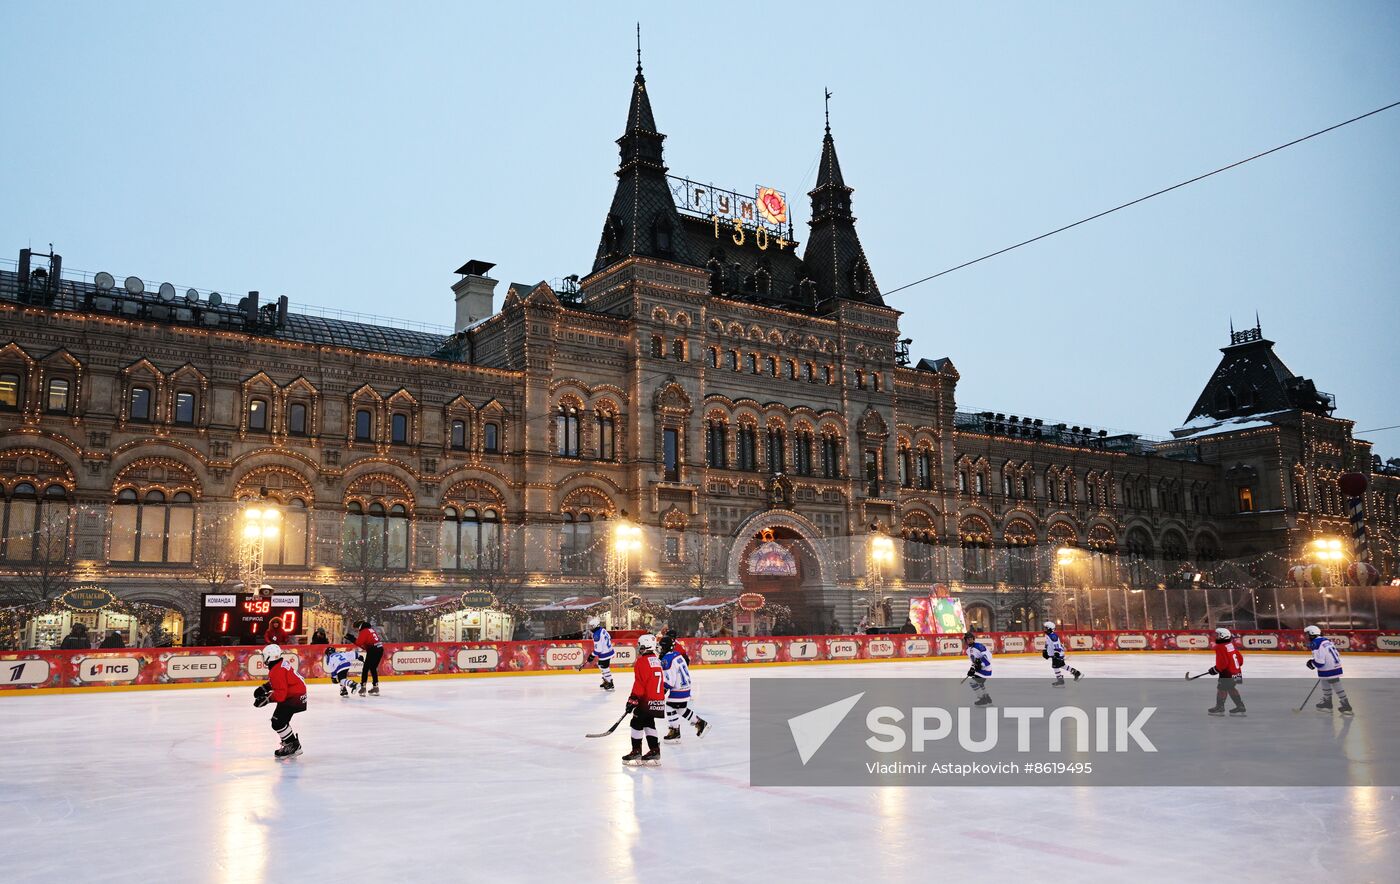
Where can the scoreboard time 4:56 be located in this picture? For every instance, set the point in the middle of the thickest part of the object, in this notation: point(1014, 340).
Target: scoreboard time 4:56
point(241, 618)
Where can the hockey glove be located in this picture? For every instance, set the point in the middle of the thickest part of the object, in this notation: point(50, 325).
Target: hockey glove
point(632, 704)
point(1239, 679)
point(1212, 671)
point(260, 696)
point(1312, 664)
point(971, 671)
point(1045, 654)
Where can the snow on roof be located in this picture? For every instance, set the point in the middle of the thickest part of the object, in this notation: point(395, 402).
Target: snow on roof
point(572, 603)
point(423, 604)
point(703, 604)
point(1205, 425)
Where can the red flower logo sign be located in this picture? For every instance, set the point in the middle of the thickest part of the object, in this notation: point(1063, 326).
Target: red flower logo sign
point(772, 205)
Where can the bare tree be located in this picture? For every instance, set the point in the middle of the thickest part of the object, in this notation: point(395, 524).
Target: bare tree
point(30, 590)
point(1023, 608)
point(366, 586)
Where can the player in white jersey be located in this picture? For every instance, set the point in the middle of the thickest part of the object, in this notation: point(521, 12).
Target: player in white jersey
point(1055, 653)
point(337, 665)
point(1327, 663)
point(675, 670)
point(602, 651)
point(980, 670)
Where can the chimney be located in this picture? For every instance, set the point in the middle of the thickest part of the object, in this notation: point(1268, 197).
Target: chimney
point(474, 293)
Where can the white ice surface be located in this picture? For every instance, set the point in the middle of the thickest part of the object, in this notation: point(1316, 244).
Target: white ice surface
point(490, 779)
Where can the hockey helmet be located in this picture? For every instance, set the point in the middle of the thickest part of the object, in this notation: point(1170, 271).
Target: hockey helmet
point(667, 642)
point(271, 654)
point(1222, 634)
point(969, 637)
point(1049, 625)
point(594, 622)
point(646, 643)
point(1312, 632)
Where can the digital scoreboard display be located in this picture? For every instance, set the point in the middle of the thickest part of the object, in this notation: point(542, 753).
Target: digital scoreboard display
point(242, 618)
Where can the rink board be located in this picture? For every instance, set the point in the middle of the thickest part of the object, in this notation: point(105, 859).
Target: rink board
point(22, 671)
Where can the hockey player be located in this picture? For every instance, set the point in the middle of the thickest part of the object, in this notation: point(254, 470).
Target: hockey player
point(337, 665)
point(368, 641)
point(675, 671)
point(646, 702)
point(1327, 663)
point(1055, 653)
point(287, 689)
point(981, 668)
point(1229, 666)
point(602, 651)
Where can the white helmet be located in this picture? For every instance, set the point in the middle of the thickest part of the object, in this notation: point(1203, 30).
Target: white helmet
point(594, 622)
point(271, 654)
point(1312, 631)
point(646, 643)
point(1049, 625)
point(1222, 633)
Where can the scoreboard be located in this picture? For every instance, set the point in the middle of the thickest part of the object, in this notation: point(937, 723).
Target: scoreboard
point(241, 618)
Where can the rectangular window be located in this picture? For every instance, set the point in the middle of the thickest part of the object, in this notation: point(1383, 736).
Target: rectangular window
point(257, 415)
point(58, 396)
point(1246, 499)
point(459, 435)
point(140, 403)
point(491, 440)
point(678, 349)
point(606, 448)
point(364, 425)
point(398, 429)
point(658, 346)
point(906, 478)
point(925, 473)
point(184, 408)
point(9, 392)
point(180, 537)
point(872, 472)
point(123, 533)
point(296, 419)
point(673, 549)
point(670, 454)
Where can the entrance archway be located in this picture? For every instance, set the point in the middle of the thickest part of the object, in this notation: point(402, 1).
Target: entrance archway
point(801, 592)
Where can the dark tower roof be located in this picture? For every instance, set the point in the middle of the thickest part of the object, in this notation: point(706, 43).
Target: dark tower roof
point(834, 256)
point(1252, 379)
point(642, 219)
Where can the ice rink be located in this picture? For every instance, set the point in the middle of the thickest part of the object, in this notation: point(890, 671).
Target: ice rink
point(491, 779)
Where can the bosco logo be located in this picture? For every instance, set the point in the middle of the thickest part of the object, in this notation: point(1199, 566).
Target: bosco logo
point(917, 647)
point(842, 649)
point(258, 669)
point(1388, 642)
point(880, 647)
point(559, 658)
point(194, 666)
point(470, 659)
point(1131, 642)
point(716, 652)
point(413, 661)
point(759, 652)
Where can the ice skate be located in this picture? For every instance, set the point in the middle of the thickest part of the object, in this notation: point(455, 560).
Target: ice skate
point(1077, 674)
point(652, 758)
point(984, 700)
point(1059, 682)
point(1324, 705)
point(607, 685)
point(1238, 710)
point(672, 735)
point(343, 691)
point(374, 691)
point(1345, 708)
point(636, 753)
point(701, 725)
point(362, 690)
point(290, 748)
point(1216, 710)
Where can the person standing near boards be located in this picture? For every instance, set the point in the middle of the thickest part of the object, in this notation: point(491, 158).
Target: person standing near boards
point(372, 646)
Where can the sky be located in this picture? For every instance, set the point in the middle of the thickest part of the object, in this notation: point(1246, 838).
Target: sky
point(352, 155)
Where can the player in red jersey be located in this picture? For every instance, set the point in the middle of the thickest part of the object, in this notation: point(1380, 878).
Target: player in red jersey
point(647, 702)
point(368, 641)
point(286, 688)
point(1229, 665)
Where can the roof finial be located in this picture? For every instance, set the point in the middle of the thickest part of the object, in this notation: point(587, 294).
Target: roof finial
point(639, 48)
point(828, 109)
point(1257, 326)
point(1232, 328)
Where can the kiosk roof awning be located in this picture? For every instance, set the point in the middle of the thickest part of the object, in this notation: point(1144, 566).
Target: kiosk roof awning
point(698, 603)
point(572, 603)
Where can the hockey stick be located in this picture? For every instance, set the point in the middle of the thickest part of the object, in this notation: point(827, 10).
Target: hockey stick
point(1190, 677)
point(611, 729)
point(1309, 696)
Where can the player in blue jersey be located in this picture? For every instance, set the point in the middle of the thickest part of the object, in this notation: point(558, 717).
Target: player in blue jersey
point(337, 665)
point(675, 669)
point(1055, 653)
point(602, 651)
point(1327, 663)
point(980, 670)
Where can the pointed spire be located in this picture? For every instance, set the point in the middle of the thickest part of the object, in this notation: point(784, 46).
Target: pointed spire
point(834, 257)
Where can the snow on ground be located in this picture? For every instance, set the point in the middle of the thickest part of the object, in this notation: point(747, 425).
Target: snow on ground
point(490, 779)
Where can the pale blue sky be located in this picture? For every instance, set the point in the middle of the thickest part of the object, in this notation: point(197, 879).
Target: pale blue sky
point(354, 154)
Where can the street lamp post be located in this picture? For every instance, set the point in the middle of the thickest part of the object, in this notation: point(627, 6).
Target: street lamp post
point(626, 539)
point(1064, 559)
point(261, 522)
point(881, 557)
point(1328, 553)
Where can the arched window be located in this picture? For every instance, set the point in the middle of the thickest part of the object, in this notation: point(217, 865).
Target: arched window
point(459, 435)
point(678, 349)
point(398, 428)
point(920, 554)
point(717, 444)
point(977, 558)
point(752, 362)
point(827, 374)
point(34, 528)
point(579, 551)
point(772, 366)
point(831, 456)
point(733, 360)
point(364, 425)
point(792, 370)
point(1139, 551)
point(744, 448)
point(470, 539)
point(566, 431)
point(923, 469)
point(906, 468)
point(296, 419)
point(376, 537)
point(809, 373)
point(151, 528)
point(802, 453)
point(875, 381)
point(607, 449)
point(658, 346)
point(257, 415)
point(714, 357)
point(776, 450)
